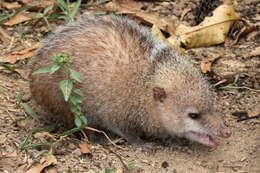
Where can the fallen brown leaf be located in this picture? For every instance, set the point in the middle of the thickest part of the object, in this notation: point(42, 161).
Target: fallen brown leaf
point(50, 170)
point(4, 36)
point(22, 73)
point(40, 4)
point(9, 5)
point(134, 9)
point(255, 52)
point(25, 1)
point(26, 124)
point(119, 170)
point(19, 18)
point(45, 161)
point(205, 65)
point(184, 12)
point(8, 162)
point(18, 55)
point(245, 30)
point(84, 147)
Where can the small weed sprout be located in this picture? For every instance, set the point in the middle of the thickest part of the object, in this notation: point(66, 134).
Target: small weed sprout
point(68, 11)
point(71, 95)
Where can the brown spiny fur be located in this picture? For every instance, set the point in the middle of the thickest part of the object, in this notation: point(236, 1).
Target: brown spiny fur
point(121, 64)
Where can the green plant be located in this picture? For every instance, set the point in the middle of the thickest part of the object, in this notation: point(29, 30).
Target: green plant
point(71, 94)
point(68, 11)
point(46, 14)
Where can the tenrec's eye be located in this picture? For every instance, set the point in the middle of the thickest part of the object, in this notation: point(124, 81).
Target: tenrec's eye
point(194, 115)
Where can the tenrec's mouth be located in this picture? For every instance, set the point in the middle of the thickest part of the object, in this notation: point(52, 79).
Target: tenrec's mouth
point(203, 138)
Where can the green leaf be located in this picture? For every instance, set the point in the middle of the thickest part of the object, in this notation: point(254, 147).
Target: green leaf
point(9, 67)
point(75, 10)
point(75, 109)
point(75, 75)
point(84, 120)
point(46, 10)
point(78, 92)
point(43, 70)
point(61, 58)
point(76, 100)
point(132, 165)
point(54, 68)
point(100, 13)
point(62, 5)
point(68, 132)
point(29, 111)
point(108, 170)
point(78, 122)
point(66, 87)
point(36, 145)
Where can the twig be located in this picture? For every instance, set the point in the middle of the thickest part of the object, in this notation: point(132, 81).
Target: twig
point(120, 159)
point(220, 82)
point(204, 27)
point(248, 118)
point(100, 131)
point(243, 87)
point(84, 134)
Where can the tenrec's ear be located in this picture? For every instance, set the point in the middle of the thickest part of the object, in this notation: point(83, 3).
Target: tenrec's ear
point(159, 94)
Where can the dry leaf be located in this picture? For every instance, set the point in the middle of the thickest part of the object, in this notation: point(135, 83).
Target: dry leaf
point(213, 30)
point(40, 4)
point(245, 30)
point(42, 135)
point(22, 73)
point(84, 148)
point(133, 8)
point(165, 24)
point(206, 64)
point(8, 162)
point(18, 55)
point(45, 161)
point(8, 5)
point(157, 33)
point(50, 170)
point(4, 36)
point(184, 12)
point(119, 171)
point(26, 124)
point(19, 18)
point(255, 52)
point(25, 1)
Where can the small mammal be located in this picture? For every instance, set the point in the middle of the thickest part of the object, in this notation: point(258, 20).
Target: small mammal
point(134, 84)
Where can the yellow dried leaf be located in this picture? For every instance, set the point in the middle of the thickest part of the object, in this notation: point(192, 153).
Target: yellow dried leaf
point(157, 33)
point(213, 30)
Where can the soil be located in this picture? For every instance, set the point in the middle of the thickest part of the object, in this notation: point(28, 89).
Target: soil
point(239, 104)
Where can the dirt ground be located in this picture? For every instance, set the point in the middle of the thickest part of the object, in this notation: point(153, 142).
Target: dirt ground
point(237, 66)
